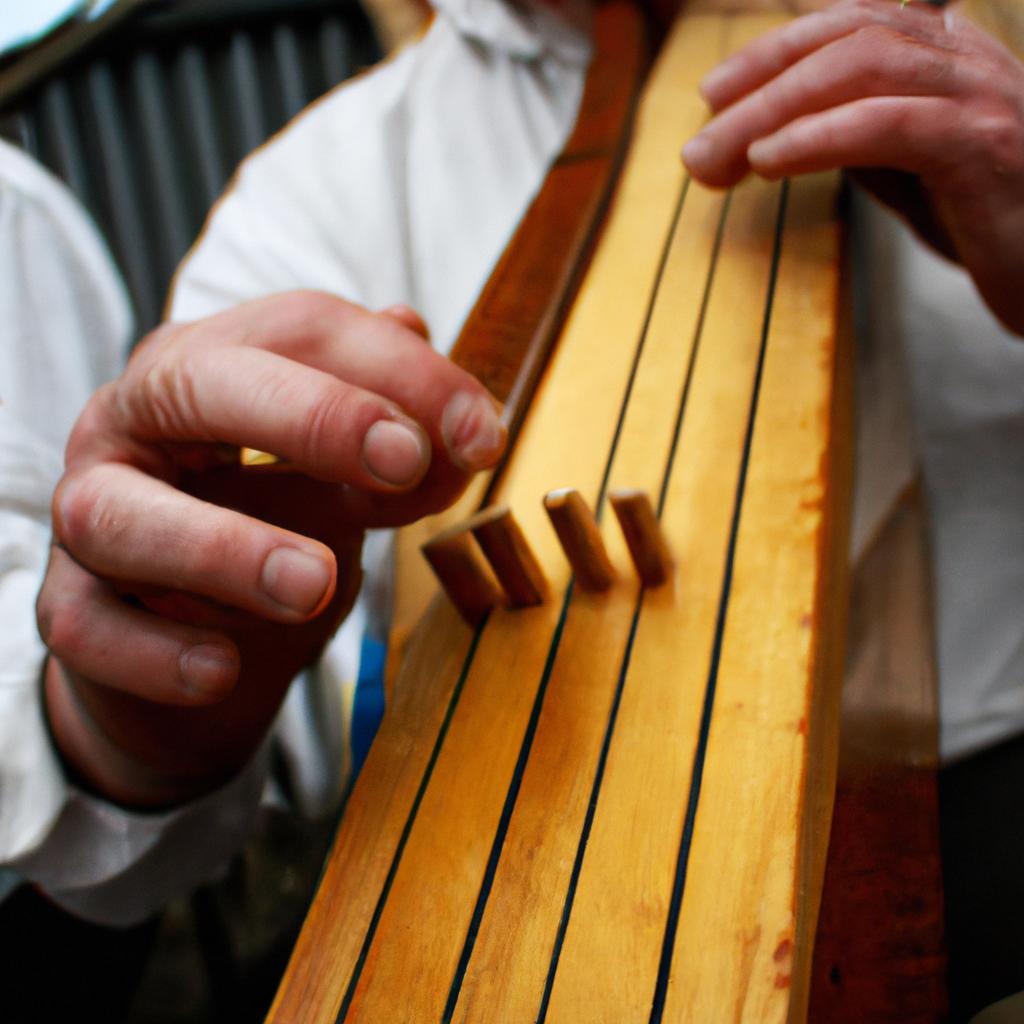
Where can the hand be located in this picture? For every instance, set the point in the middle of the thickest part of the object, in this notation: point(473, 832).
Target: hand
point(184, 592)
point(925, 107)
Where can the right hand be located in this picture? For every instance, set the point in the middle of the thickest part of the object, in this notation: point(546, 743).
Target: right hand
point(925, 108)
point(184, 592)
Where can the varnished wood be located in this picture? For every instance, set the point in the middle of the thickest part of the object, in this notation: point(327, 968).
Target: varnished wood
point(516, 319)
point(580, 537)
point(766, 790)
point(542, 866)
point(371, 834)
point(647, 545)
point(510, 556)
point(358, 867)
point(462, 573)
point(462, 809)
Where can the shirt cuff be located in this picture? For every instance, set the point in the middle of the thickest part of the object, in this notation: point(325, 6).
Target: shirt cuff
point(118, 867)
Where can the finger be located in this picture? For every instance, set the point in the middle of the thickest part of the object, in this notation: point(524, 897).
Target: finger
point(123, 525)
point(385, 357)
point(250, 397)
point(770, 54)
point(86, 627)
point(871, 62)
point(376, 354)
point(408, 317)
point(908, 134)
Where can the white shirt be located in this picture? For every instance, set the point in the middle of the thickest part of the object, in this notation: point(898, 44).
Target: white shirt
point(965, 398)
point(65, 332)
point(402, 186)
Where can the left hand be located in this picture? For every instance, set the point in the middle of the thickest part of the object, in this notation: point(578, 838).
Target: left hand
point(926, 108)
point(183, 592)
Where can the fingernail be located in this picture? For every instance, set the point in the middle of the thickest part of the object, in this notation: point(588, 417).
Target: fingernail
point(396, 453)
point(697, 152)
point(472, 431)
point(208, 670)
point(295, 579)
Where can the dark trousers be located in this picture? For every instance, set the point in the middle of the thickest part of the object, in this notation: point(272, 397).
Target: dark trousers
point(55, 968)
point(982, 824)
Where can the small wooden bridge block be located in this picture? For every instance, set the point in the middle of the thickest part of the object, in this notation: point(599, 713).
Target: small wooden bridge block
point(580, 538)
point(461, 570)
point(510, 556)
point(458, 565)
point(644, 538)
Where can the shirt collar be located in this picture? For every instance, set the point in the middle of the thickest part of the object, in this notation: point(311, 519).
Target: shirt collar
point(527, 29)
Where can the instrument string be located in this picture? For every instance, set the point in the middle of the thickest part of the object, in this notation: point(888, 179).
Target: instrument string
point(396, 859)
point(353, 983)
point(627, 654)
point(527, 743)
point(672, 919)
point(700, 753)
point(528, 737)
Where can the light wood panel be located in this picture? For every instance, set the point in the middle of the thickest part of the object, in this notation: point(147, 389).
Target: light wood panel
point(622, 901)
point(739, 916)
point(579, 404)
point(519, 313)
point(376, 822)
point(524, 840)
point(512, 958)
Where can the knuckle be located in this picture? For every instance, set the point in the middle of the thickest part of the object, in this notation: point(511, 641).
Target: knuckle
point(888, 59)
point(62, 628)
point(84, 510)
point(167, 396)
point(339, 418)
point(156, 396)
point(1001, 137)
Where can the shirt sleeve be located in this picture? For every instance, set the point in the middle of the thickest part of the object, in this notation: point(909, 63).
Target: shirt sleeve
point(405, 184)
point(65, 329)
point(55, 295)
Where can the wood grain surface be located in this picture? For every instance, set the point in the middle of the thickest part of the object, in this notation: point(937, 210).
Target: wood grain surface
point(535, 835)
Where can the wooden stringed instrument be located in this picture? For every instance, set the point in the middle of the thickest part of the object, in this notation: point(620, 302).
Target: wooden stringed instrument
point(612, 803)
